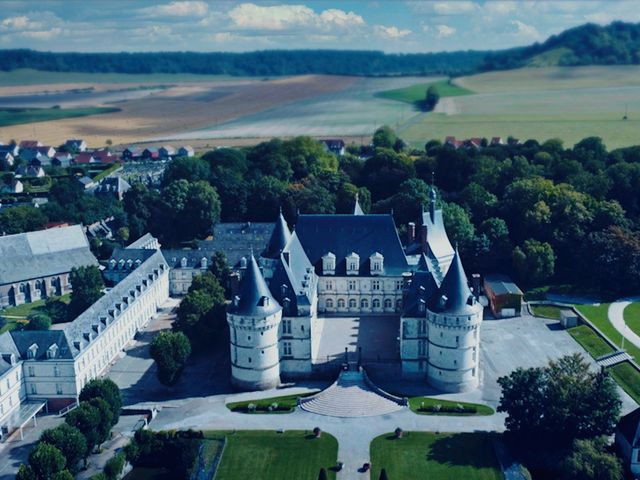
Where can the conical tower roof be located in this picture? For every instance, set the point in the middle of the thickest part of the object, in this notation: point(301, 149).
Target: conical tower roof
point(279, 238)
point(454, 296)
point(423, 263)
point(357, 209)
point(254, 297)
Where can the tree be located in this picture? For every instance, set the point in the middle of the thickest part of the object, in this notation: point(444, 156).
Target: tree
point(431, 98)
point(170, 350)
point(46, 461)
point(24, 218)
point(458, 225)
point(114, 466)
point(221, 271)
point(38, 321)
point(86, 418)
point(567, 393)
point(107, 390)
point(590, 460)
point(56, 309)
point(384, 137)
point(25, 472)
point(70, 441)
point(87, 286)
point(191, 169)
point(535, 261)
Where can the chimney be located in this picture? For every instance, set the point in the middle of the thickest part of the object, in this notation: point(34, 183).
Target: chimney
point(423, 239)
point(411, 232)
point(475, 284)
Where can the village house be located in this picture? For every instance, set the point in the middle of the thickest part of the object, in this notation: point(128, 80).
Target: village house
point(16, 186)
point(62, 159)
point(75, 145)
point(334, 145)
point(114, 186)
point(186, 151)
point(12, 149)
point(131, 153)
point(29, 144)
point(166, 152)
point(150, 153)
point(6, 160)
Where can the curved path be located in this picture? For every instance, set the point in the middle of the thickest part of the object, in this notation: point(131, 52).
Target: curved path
point(616, 317)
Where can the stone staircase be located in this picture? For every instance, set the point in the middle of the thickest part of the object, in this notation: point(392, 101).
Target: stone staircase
point(352, 395)
point(611, 359)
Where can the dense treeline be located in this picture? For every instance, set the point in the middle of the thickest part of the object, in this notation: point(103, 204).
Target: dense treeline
point(258, 63)
point(590, 44)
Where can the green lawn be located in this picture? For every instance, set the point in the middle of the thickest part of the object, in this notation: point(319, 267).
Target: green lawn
point(547, 311)
point(267, 455)
point(468, 456)
point(632, 317)
point(590, 341)
point(11, 324)
point(25, 309)
point(425, 406)
point(145, 473)
point(628, 378)
point(598, 316)
point(286, 404)
point(416, 93)
point(16, 116)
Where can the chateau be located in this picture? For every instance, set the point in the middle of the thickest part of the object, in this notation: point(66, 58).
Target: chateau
point(354, 265)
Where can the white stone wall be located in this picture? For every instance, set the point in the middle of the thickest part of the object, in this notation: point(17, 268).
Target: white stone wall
point(454, 350)
point(295, 346)
point(255, 356)
point(180, 279)
point(414, 346)
point(47, 379)
point(12, 392)
point(354, 295)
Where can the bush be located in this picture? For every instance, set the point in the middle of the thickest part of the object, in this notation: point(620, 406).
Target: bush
point(114, 466)
point(38, 321)
point(317, 432)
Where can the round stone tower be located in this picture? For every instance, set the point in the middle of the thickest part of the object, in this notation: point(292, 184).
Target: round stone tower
point(254, 318)
point(454, 318)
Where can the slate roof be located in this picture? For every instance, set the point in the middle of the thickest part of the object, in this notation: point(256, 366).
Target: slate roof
point(237, 240)
point(279, 238)
point(294, 279)
point(502, 285)
point(454, 296)
point(142, 241)
point(174, 257)
point(7, 346)
point(343, 234)
point(43, 253)
point(43, 339)
point(254, 297)
point(628, 426)
point(75, 331)
point(113, 185)
point(423, 287)
point(132, 254)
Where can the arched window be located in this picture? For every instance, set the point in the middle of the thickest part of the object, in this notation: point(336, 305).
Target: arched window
point(364, 303)
point(329, 303)
point(398, 304)
point(352, 303)
point(341, 303)
point(376, 303)
point(388, 303)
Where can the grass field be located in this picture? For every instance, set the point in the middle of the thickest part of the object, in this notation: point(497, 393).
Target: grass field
point(276, 456)
point(628, 378)
point(18, 116)
point(286, 404)
point(23, 311)
point(547, 311)
point(598, 316)
point(424, 403)
point(590, 341)
point(416, 93)
point(28, 76)
point(632, 317)
point(468, 456)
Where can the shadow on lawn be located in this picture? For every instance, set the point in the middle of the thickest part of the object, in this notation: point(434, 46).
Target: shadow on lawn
point(461, 449)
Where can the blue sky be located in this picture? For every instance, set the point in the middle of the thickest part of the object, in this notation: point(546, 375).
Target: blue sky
point(392, 26)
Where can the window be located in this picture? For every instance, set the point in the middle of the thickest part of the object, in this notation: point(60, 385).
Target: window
point(375, 285)
point(58, 389)
point(422, 327)
point(286, 327)
point(329, 285)
point(388, 303)
point(32, 372)
point(249, 359)
point(398, 285)
point(399, 304)
point(286, 349)
point(352, 284)
point(353, 303)
point(34, 391)
point(341, 303)
point(56, 371)
point(329, 303)
point(422, 348)
point(376, 303)
point(364, 303)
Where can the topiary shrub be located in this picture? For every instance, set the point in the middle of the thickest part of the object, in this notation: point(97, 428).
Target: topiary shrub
point(398, 432)
point(317, 432)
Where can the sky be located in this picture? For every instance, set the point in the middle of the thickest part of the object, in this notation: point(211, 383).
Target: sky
point(225, 25)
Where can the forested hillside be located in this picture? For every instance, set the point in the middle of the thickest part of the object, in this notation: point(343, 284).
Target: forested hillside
point(614, 44)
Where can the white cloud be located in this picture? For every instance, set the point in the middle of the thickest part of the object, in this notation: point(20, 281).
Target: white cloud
point(390, 32)
point(15, 23)
point(524, 30)
point(42, 34)
point(283, 17)
point(223, 37)
point(500, 8)
point(444, 31)
point(454, 8)
point(187, 8)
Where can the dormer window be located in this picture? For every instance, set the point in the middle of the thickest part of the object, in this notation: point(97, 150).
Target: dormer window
point(52, 351)
point(32, 352)
point(329, 264)
point(377, 263)
point(183, 262)
point(264, 301)
point(203, 263)
point(112, 264)
point(353, 264)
